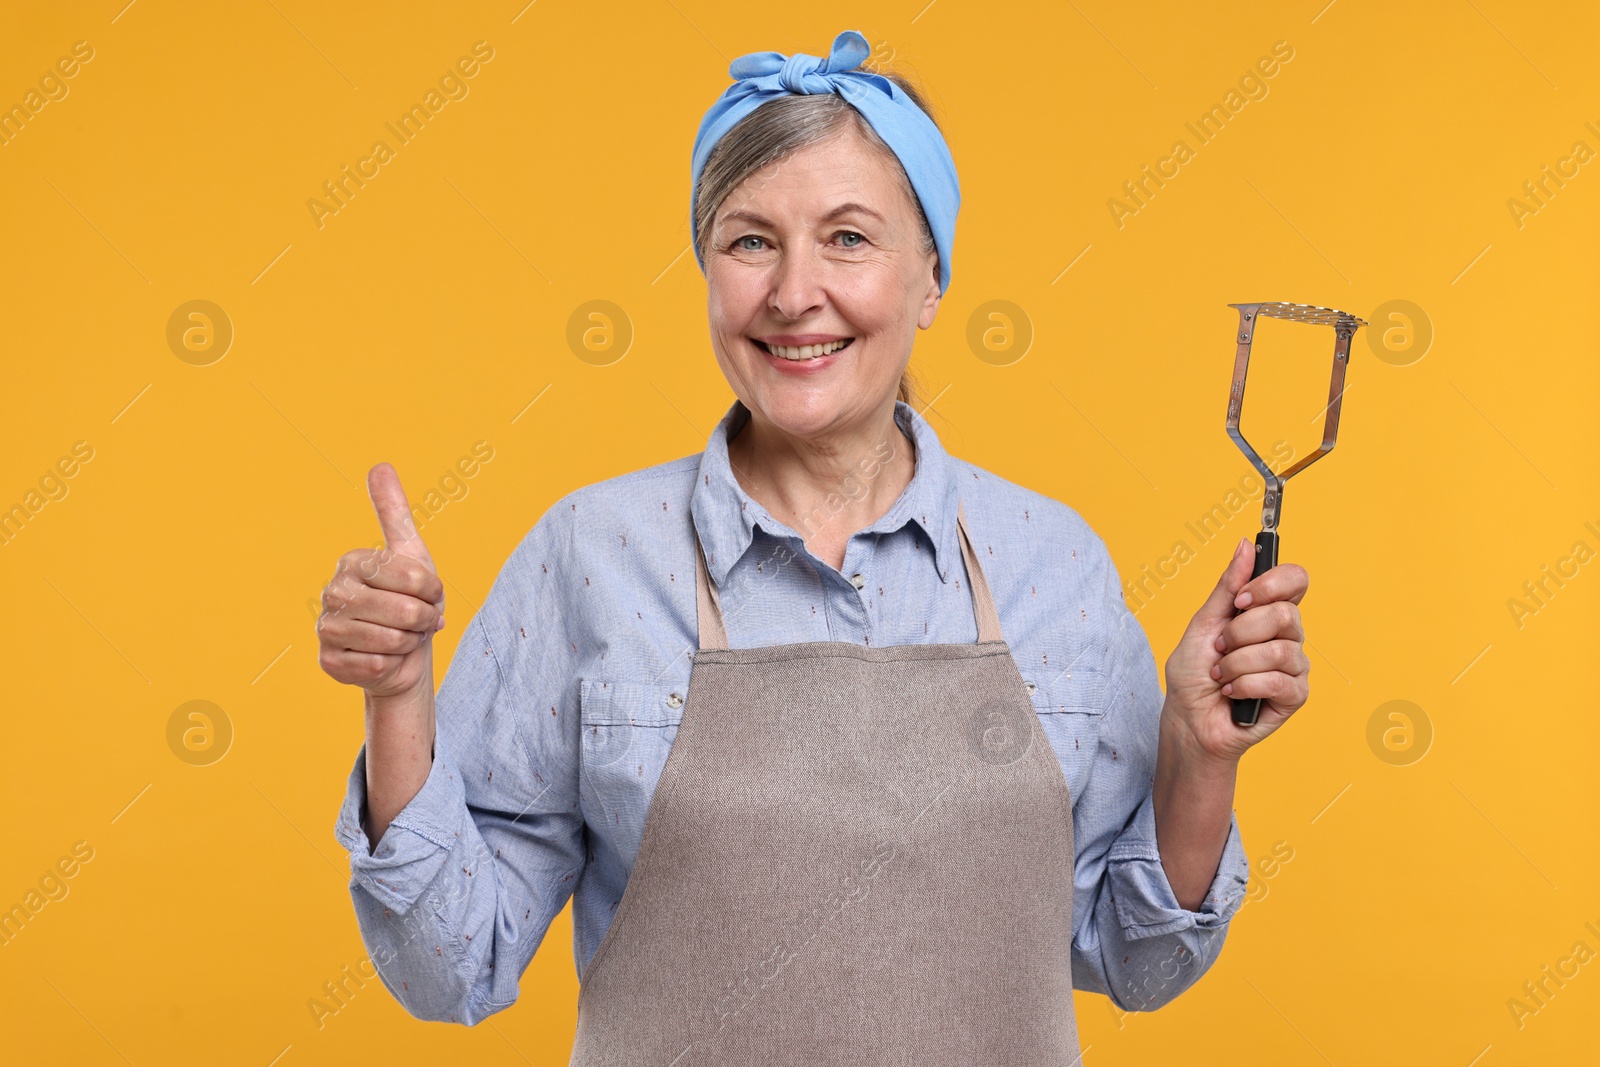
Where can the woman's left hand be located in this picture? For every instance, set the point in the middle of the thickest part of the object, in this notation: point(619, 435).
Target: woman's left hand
point(1224, 656)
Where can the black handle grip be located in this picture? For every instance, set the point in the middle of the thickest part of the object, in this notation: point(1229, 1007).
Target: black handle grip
point(1245, 712)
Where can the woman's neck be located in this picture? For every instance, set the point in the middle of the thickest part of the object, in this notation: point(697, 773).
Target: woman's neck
point(825, 489)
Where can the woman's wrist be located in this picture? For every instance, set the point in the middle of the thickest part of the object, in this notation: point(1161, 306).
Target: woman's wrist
point(1183, 751)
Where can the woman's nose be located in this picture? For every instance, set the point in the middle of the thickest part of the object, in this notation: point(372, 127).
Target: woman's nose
point(797, 283)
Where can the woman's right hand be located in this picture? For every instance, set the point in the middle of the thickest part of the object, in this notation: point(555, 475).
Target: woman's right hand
point(382, 607)
point(379, 614)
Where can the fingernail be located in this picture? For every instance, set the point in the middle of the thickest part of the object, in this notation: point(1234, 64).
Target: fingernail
point(1243, 543)
point(440, 626)
point(1243, 600)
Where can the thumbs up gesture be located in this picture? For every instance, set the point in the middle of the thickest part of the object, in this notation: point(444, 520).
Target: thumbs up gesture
point(382, 607)
point(1245, 641)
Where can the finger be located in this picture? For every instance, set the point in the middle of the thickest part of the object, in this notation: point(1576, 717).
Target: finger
point(1219, 605)
point(1286, 581)
point(1285, 656)
point(394, 514)
point(384, 568)
point(397, 573)
point(383, 608)
point(354, 668)
point(354, 635)
point(1286, 693)
point(1265, 622)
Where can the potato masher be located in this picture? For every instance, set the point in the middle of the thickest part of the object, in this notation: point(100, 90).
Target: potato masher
point(1246, 711)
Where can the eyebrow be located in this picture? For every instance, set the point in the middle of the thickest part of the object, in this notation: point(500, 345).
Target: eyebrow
point(838, 212)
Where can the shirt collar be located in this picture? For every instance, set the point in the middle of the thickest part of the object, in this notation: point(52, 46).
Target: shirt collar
point(725, 516)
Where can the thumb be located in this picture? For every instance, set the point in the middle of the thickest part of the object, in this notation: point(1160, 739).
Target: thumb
point(1219, 605)
point(394, 514)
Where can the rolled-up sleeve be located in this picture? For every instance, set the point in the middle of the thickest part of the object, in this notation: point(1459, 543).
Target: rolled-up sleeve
point(461, 888)
point(415, 844)
point(1132, 940)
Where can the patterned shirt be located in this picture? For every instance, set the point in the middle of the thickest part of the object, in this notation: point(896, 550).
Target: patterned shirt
point(567, 688)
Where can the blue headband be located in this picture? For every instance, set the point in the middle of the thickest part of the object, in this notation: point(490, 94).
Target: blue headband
point(763, 76)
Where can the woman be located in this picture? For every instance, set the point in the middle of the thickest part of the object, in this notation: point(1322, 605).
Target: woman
point(922, 780)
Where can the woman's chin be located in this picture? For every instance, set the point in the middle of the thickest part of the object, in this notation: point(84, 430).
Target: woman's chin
point(803, 411)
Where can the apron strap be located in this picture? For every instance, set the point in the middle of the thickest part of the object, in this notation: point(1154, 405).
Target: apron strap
point(982, 598)
point(708, 608)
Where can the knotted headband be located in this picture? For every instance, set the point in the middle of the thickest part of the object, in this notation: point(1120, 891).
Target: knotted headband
point(914, 139)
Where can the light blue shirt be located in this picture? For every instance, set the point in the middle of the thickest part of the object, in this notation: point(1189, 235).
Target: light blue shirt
point(566, 690)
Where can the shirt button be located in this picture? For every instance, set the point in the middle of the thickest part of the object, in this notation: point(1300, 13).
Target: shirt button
point(857, 581)
point(1032, 689)
point(674, 701)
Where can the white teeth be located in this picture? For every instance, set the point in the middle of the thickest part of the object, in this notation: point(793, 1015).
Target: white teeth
point(807, 351)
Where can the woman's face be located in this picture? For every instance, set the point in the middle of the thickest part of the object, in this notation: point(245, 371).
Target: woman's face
point(820, 246)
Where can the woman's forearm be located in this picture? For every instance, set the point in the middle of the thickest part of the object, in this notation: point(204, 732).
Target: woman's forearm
point(399, 754)
point(1193, 798)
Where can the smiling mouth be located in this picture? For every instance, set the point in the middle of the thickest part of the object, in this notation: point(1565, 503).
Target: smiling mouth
point(804, 352)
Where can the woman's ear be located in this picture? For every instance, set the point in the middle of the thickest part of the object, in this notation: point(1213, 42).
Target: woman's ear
point(930, 302)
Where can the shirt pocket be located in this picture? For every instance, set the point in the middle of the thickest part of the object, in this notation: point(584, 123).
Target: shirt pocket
point(1071, 707)
point(628, 729)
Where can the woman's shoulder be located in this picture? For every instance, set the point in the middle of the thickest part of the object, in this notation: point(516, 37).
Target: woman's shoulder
point(649, 502)
point(1056, 588)
point(1013, 513)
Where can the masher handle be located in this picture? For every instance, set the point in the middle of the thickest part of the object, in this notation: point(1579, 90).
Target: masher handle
point(1246, 711)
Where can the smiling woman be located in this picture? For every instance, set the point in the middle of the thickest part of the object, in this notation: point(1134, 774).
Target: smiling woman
point(844, 749)
point(820, 272)
point(753, 153)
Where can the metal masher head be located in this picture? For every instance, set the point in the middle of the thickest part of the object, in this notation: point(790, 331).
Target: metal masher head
point(1344, 326)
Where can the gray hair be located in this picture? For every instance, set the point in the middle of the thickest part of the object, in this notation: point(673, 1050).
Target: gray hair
point(784, 125)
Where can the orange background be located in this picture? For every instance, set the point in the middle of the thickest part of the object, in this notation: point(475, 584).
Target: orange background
point(1439, 860)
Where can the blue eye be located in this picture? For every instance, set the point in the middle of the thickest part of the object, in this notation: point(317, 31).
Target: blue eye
point(737, 242)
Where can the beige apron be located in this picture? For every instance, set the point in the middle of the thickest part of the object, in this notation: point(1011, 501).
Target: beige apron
point(854, 855)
